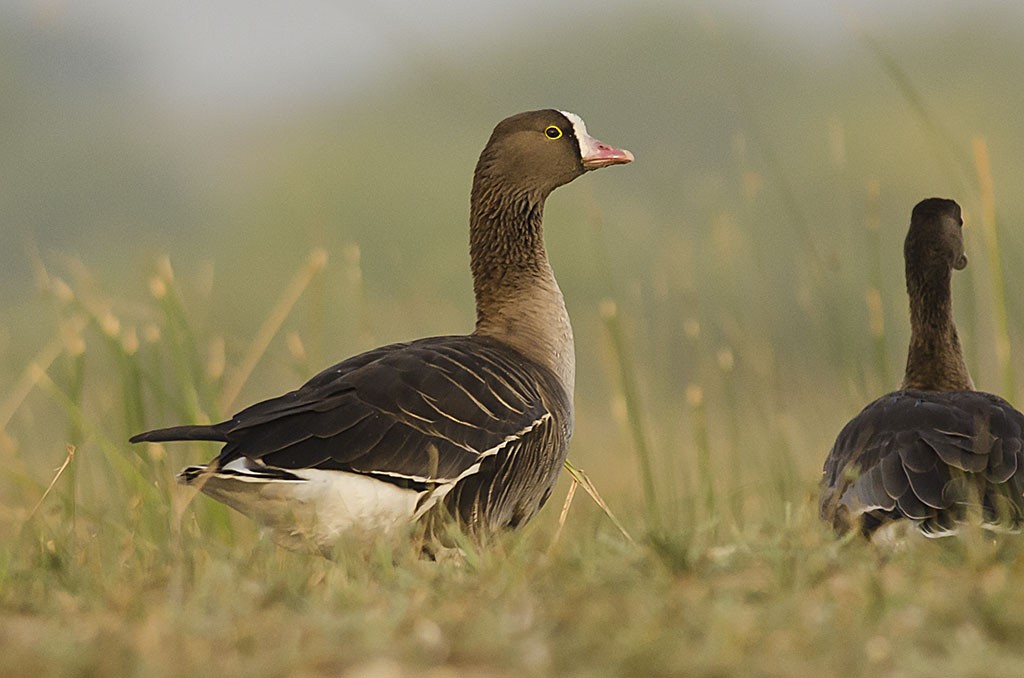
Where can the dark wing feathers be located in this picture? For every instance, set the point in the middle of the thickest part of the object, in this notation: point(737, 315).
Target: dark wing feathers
point(426, 409)
point(496, 491)
point(955, 449)
point(894, 479)
point(866, 491)
point(917, 457)
point(928, 486)
point(1006, 457)
point(924, 456)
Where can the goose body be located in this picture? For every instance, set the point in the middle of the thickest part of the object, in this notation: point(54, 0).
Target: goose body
point(476, 426)
point(936, 452)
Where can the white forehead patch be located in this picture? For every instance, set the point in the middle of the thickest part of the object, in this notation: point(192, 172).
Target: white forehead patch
point(580, 128)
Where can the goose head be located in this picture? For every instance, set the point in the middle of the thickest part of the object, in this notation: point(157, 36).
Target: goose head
point(935, 239)
point(535, 152)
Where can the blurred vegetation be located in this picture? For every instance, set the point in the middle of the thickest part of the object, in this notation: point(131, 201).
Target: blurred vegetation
point(737, 295)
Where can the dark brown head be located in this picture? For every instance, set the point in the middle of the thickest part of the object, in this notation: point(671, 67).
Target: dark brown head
point(536, 152)
point(934, 248)
point(935, 240)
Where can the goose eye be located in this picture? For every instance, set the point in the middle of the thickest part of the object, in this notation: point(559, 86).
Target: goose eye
point(553, 132)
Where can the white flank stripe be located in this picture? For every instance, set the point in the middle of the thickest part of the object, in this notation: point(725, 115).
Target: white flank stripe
point(418, 479)
point(251, 471)
point(445, 488)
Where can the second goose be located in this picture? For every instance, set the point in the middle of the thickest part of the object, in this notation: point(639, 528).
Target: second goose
point(936, 451)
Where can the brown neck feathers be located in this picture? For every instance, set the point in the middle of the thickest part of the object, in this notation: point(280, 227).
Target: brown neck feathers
point(935, 360)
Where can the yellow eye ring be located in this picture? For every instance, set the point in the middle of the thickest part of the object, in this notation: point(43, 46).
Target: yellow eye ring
point(553, 132)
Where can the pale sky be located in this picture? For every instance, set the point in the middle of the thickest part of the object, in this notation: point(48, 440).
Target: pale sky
point(257, 52)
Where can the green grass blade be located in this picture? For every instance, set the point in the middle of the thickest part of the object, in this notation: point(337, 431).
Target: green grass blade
point(634, 412)
point(990, 229)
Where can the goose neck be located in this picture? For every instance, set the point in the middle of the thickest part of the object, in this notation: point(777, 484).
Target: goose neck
point(518, 300)
point(935, 359)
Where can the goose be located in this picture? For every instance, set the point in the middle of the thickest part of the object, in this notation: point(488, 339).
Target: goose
point(936, 452)
point(471, 427)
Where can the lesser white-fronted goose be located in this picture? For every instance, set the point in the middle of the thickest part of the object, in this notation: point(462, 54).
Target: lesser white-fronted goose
point(477, 424)
point(936, 451)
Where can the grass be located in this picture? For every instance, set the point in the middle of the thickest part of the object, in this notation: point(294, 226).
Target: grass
point(108, 568)
point(712, 380)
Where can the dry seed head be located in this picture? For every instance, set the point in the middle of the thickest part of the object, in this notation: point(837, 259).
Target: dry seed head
point(71, 335)
point(216, 360)
point(157, 287)
point(318, 258)
point(61, 290)
point(151, 333)
point(130, 341)
point(157, 452)
point(295, 346)
point(109, 323)
point(694, 395)
point(726, 361)
point(35, 372)
point(163, 268)
point(876, 318)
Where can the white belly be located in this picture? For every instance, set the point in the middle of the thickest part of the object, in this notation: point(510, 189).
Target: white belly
point(313, 513)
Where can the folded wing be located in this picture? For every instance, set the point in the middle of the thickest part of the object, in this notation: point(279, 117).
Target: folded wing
point(929, 457)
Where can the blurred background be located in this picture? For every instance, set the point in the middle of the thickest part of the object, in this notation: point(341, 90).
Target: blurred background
point(750, 260)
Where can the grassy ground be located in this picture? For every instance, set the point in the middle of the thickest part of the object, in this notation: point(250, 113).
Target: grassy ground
point(108, 568)
point(782, 601)
point(728, 322)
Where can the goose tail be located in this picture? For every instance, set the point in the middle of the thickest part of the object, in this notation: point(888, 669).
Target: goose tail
point(213, 432)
